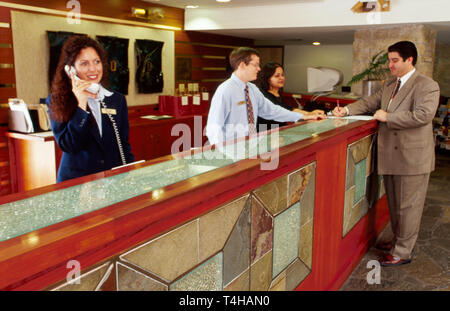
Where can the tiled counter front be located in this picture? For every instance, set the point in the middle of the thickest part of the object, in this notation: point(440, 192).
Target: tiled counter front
point(207, 221)
point(260, 241)
point(363, 186)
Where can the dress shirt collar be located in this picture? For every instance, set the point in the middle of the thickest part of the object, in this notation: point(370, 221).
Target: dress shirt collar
point(406, 77)
point(102, 93)
point(241, 83)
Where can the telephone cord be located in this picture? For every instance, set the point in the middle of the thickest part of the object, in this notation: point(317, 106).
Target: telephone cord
point(116, 132)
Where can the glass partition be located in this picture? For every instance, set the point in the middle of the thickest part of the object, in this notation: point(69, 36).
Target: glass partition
point(23, 216)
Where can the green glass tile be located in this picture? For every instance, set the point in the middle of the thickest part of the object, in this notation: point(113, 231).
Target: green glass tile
point(286, 238)
point(30, 214)
point(360, 181)
point(206, 277)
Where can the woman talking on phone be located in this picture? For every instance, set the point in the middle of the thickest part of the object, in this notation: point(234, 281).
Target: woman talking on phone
point(271, 82)
point(89, 123)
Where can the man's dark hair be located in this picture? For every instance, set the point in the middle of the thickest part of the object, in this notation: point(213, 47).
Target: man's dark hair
point(242, 54)
point(405, 49)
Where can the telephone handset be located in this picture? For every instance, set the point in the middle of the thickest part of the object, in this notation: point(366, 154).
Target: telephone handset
point(93, 88)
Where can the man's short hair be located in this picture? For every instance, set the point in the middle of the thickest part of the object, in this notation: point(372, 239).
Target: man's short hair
point(405, 49)
point(241, 54)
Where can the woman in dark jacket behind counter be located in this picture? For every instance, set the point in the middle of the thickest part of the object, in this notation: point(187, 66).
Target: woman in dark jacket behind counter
point(90, 128)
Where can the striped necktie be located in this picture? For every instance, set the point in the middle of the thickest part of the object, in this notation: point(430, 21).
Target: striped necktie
point(250, 116)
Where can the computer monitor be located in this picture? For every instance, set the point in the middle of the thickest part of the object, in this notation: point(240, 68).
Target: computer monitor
point(323, 79)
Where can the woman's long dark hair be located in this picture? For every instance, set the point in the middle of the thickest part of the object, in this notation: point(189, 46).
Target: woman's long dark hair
point(63, 102)
point(265, 74)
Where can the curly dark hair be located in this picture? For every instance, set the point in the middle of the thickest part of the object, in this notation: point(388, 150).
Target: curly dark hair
point(265, 74)
point(63, 102)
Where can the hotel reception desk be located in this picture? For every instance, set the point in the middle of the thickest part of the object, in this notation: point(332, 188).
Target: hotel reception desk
point(248, 216)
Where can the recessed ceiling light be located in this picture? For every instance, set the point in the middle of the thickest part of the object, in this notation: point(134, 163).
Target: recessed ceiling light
point(191, 6)
point(223, 0)
point(316, 43)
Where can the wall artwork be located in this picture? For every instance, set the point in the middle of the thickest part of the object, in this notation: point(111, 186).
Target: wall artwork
point(149, 76)
point(117, 50)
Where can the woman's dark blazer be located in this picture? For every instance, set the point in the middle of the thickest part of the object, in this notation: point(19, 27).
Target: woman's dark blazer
point(84, 151)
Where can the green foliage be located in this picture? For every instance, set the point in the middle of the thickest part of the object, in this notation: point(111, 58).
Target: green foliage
point(377, 69)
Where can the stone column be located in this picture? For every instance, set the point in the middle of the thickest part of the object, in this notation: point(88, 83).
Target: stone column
point(370, 41)
point(442, 68)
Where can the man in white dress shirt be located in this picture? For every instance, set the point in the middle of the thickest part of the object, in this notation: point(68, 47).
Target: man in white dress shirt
point(233, 113)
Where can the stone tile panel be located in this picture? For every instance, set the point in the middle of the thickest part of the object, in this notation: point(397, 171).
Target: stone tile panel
point(274, 195)
point(206, 277)
point(286, 238)
point(170, 255)
point(236, 253)
point(215, 227)
point(261, 273)
point(241, 283)
point(261, 231)
point(128, 279)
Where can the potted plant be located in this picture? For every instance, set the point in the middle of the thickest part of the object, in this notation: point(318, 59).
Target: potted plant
point(374, 73)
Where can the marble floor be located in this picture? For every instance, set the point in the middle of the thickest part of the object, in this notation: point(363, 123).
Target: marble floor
point(430, 266)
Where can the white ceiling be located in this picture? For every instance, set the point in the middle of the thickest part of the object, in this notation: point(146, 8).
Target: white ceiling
point(288, 35)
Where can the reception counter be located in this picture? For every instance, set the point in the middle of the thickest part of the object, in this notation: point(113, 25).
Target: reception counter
point(35, 157)
point(290, 209)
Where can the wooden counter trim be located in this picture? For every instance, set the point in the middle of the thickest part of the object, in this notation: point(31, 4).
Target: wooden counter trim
point(100, 234)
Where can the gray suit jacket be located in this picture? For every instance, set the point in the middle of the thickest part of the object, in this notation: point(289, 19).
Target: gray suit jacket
point(405, 142)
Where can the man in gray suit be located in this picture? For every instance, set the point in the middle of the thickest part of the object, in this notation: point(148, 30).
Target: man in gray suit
point(405, 107)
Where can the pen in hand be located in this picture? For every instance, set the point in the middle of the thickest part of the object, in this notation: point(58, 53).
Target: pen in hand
point(339, 108)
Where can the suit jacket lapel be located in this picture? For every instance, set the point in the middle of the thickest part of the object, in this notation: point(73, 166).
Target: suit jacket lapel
point(387, 94)
point(398, 99)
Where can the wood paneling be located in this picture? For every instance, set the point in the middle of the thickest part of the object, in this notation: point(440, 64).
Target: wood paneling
point(7, 90)
point(5, 93)
point(119, 9)
point(7, 76)
point(5, 33)
point(199, 46)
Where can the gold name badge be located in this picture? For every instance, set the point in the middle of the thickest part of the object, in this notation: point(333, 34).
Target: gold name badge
point(241, 103)
point(109, 110)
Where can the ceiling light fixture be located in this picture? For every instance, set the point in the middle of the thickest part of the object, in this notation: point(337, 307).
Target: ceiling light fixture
point(191, 6)
point(316, 43)
point(223, 0)
point(148, 14)
point(138, 12)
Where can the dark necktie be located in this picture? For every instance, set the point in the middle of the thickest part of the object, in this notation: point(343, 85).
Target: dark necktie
point(397, 87)
point(250, 116)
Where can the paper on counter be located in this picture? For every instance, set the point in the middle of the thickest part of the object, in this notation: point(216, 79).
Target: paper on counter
point(364, 118)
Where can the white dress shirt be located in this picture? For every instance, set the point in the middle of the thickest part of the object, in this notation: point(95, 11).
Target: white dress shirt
point(94, 105)
point(227, 118)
